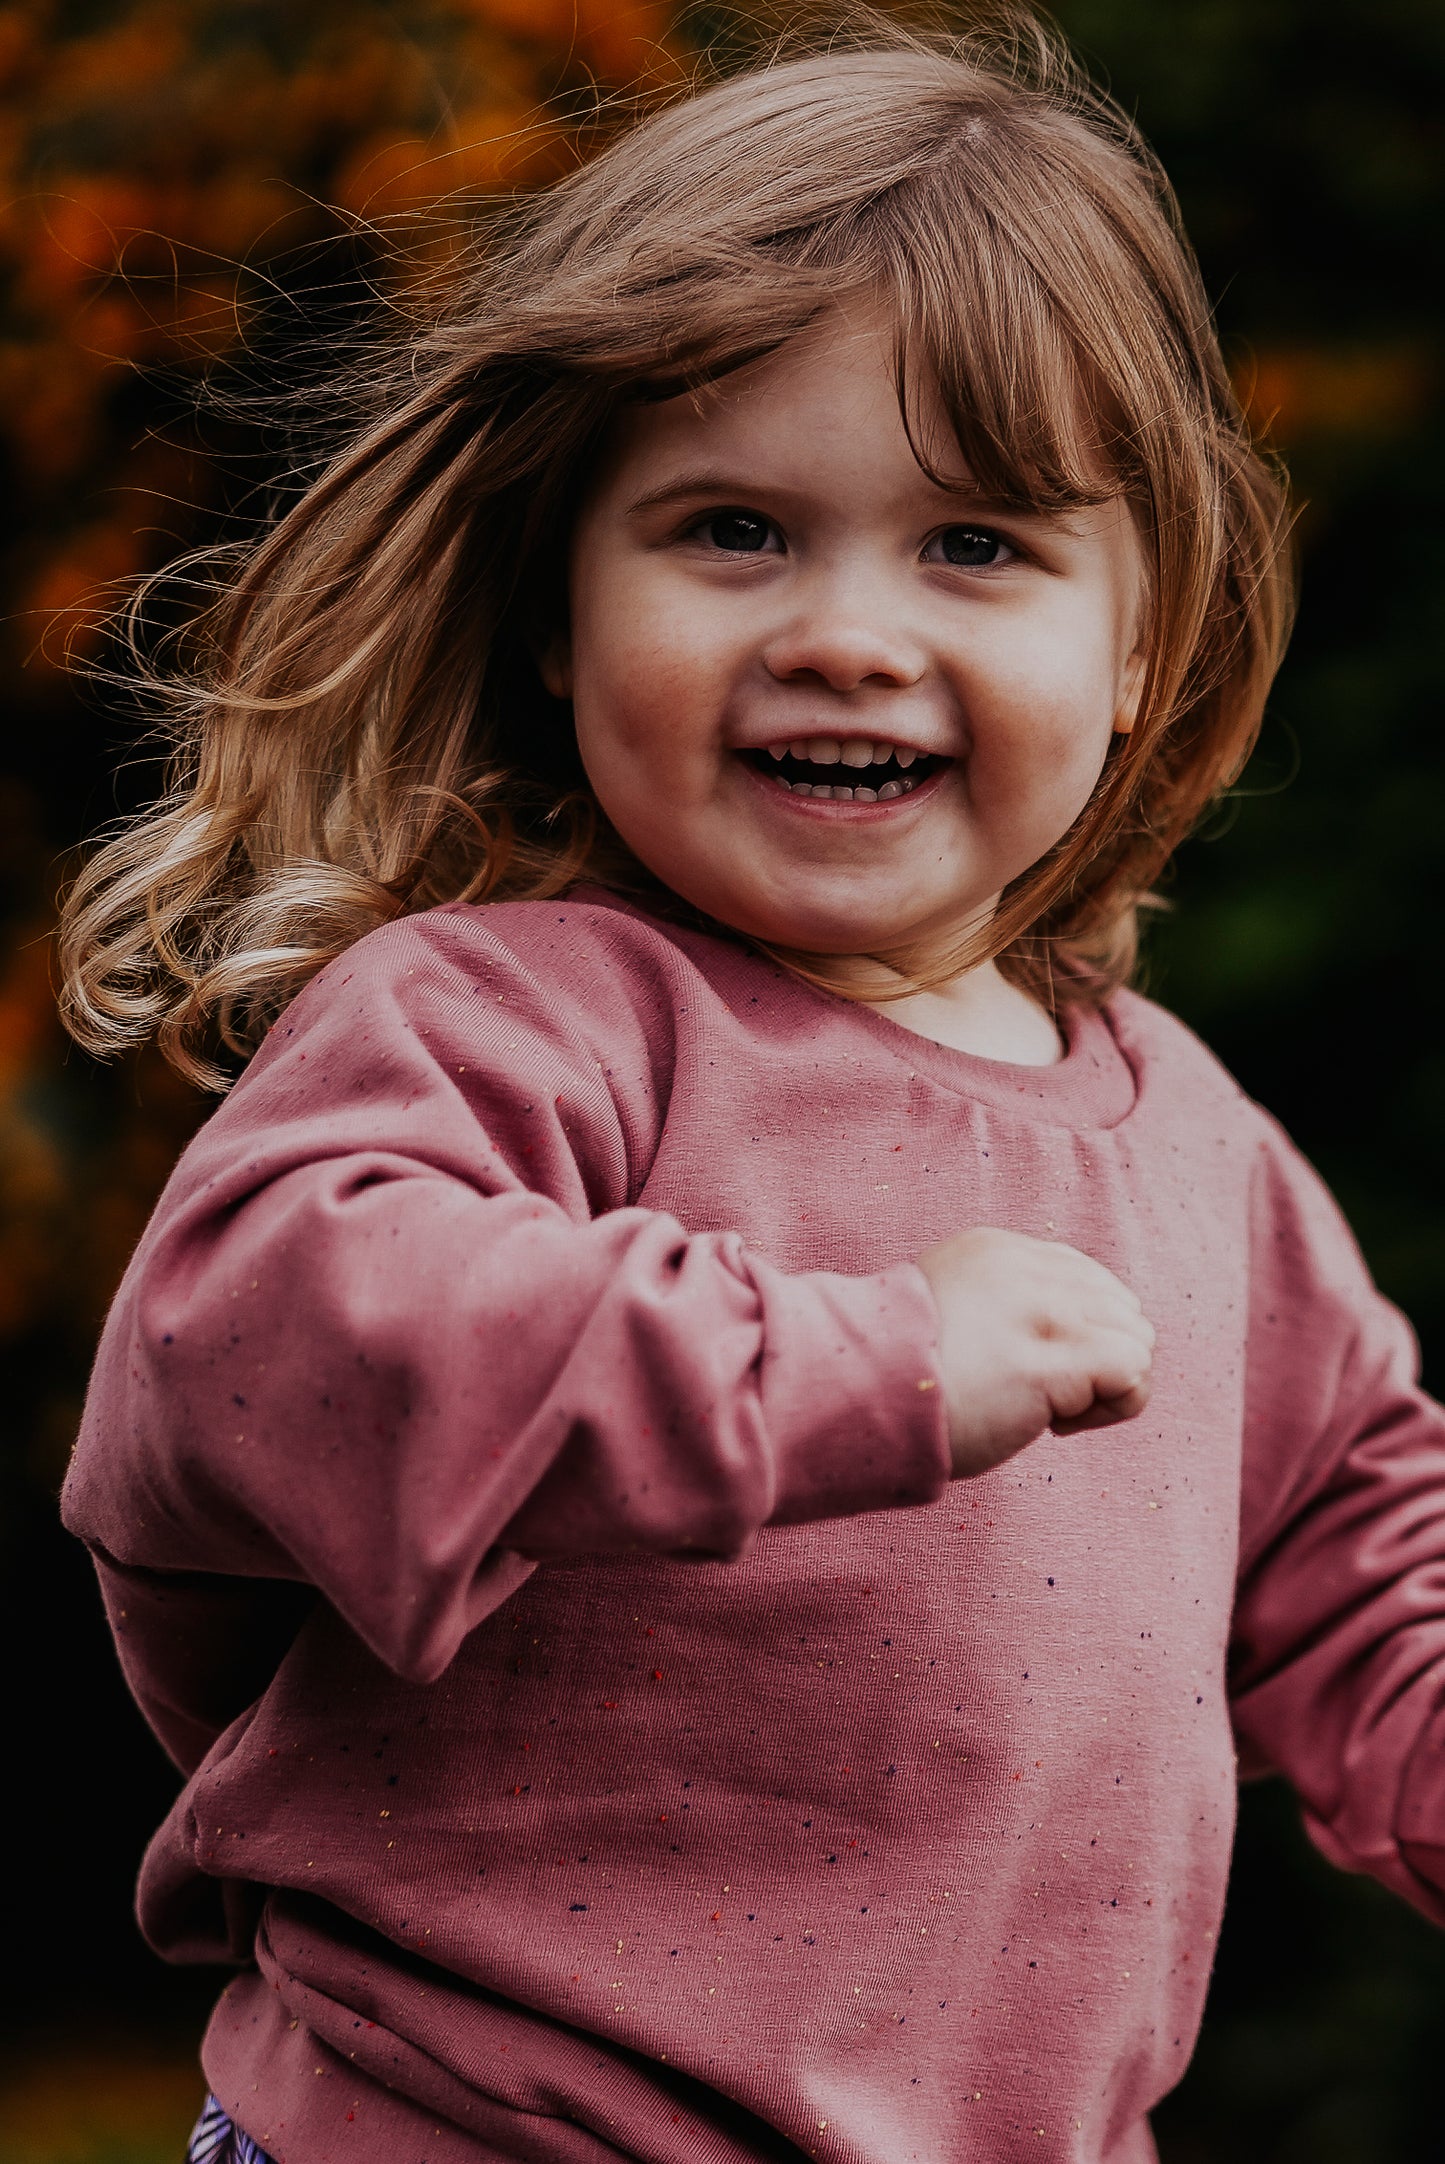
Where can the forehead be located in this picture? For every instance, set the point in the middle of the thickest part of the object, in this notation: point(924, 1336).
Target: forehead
point(824, 410)
point(827, 399)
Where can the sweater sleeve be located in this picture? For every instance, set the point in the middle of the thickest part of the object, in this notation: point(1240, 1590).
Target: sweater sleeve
point(1338, 1656)
point(396, 1333)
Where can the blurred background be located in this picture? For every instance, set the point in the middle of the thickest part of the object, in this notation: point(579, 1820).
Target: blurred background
point(188, 185)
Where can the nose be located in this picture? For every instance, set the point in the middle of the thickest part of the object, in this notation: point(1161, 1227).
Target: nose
point(844, 636)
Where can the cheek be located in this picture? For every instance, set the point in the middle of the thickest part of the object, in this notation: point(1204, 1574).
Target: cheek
point(649, 676)
point(1040, 737)
point(1046, 723)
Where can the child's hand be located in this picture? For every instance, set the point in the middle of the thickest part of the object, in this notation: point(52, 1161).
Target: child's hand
point(1033, 1335)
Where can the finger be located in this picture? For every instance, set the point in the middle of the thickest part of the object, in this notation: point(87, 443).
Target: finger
point(1111, 1367)
point(1120, 1366)
point(1071, 1394)
point(1106, 1412)
point(1118, 1314)
point(1102, 1310)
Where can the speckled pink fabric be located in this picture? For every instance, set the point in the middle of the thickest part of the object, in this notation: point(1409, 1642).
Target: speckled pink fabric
point(517, 1476)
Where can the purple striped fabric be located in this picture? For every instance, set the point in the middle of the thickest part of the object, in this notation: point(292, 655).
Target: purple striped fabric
point(218, 2140)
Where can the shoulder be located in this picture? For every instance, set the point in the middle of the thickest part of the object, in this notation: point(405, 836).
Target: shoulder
point(1189, 1096)
point(479, 1014)
point(534, 1034)
point(569, 970)
point(1175, 1066)
point(1296, 1223)
point(591, 953)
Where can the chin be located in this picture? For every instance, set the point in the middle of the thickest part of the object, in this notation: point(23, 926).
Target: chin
point(846, 925)
point(820, 935)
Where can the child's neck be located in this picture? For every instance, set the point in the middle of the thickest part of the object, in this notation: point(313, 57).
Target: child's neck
point(982, 1013)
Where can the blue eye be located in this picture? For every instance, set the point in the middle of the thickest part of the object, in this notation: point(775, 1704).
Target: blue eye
point(972, 546)
point(740, 532)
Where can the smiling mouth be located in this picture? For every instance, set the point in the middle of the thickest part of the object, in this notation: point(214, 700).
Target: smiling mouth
point(879, 781)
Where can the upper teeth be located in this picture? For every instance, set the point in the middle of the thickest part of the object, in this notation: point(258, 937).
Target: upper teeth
point(847, 751)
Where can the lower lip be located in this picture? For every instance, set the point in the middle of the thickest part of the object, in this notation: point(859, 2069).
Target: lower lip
point(832, 807)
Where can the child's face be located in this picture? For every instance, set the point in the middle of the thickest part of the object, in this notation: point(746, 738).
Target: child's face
point(767, 565)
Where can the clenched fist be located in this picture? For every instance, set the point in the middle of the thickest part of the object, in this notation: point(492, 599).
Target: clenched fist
point(1032, 1335)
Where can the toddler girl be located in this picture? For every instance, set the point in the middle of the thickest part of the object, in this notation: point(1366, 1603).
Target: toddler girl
point(606, 1468)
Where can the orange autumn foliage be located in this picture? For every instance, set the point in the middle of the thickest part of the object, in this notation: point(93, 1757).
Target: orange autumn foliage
point(154, 169)
point(162, 164)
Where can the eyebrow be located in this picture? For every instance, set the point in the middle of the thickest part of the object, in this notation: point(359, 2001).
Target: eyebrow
point(703, 482)
point(739, 489)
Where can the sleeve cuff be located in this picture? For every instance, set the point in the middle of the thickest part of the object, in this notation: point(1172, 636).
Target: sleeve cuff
point(854, 1405)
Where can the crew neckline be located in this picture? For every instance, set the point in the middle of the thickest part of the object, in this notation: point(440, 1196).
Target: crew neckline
point(1093, 1085)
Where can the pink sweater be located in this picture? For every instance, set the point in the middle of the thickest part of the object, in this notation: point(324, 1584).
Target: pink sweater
point(517, 1473)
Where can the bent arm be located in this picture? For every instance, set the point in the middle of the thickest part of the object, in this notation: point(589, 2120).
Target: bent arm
point(356, 1349)
point(1338, 1663)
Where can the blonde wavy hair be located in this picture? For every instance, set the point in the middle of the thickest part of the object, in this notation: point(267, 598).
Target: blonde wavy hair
point(361, 729)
